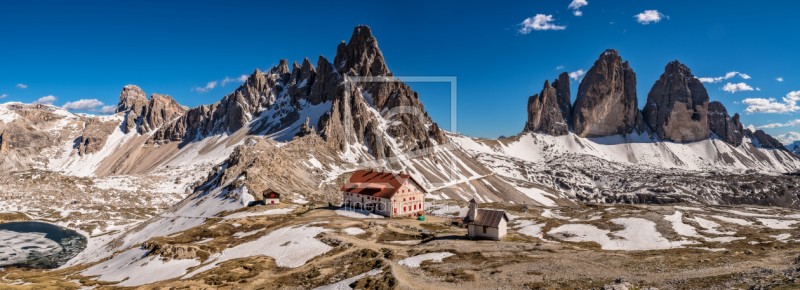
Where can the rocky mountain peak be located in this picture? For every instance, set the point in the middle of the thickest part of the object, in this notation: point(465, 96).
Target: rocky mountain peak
point(131, 98)
point(544, 113)
point(361, 56)
point(606, 103)
point(677, 106)
point(727, 128)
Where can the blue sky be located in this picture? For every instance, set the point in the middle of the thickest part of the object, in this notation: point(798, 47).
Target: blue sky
point(90, 50)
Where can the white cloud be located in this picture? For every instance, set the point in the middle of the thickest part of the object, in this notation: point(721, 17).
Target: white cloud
point(727, 76)
point(751, 128)
point(560, 67)
point(788, 138)
point(89, 105)
point(648, 16)
point(577, 74)
point(577, 4)
point(779, 79)
point(46, 100)
point(771, 105)
point(733, 88)
point(791, 123)
point(82, 105)
point(240, 79)
point(539, 22)
point(3, 96)
point(209, 86)
point(758, 89)
point(21, 86)
point(107, 109)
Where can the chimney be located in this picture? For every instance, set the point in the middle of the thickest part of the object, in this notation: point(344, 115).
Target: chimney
point(472, 214)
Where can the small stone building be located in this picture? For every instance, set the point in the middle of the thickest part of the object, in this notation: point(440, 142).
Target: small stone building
point(271, 197)
point(485, 223)
point(385, 193)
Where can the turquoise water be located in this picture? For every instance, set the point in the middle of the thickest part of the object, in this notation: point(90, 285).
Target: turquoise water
point(38, 245)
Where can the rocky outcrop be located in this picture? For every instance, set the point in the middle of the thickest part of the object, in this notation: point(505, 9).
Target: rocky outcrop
point(544, 113)
point(727, 128)
point(4, 144)
point(677, 106)
point(301, 81)
point(132, 98)
point(765, 140)
point(563, 97)
point(94, 136)
point(361, 55)
point(160, 109)
point(606, 103)
point(305, 129)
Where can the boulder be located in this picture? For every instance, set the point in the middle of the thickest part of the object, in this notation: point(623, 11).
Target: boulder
point(606, 103)
point(677, 106)
point(544, 113)
point(727, 128)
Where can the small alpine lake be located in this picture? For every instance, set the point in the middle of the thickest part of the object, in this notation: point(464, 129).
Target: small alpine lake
point(38, 245)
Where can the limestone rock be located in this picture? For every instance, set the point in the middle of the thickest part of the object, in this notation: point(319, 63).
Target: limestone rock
point(544, 113)
point(4, 144)
point(606, 103)
point(727, 128)
point(305, 129)
point(132, 98)
point(765, 140)
point(230, 114)
point(677, 106)
point(563, 96)
point(160, 109)
point(94, 136)
point(361, 56)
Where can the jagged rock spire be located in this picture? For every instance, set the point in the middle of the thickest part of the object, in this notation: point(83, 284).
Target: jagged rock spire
point(544, 114)
point(361, 55)
point(606, 103)
point(563, 97)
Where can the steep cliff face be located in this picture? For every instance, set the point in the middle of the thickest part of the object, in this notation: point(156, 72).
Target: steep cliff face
point(727, 128)
point(544, 113)
point(132, 98)
point(677, 106)
point(563, 96)
point(95, 134)
point(606, 103)
point(160, 110)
